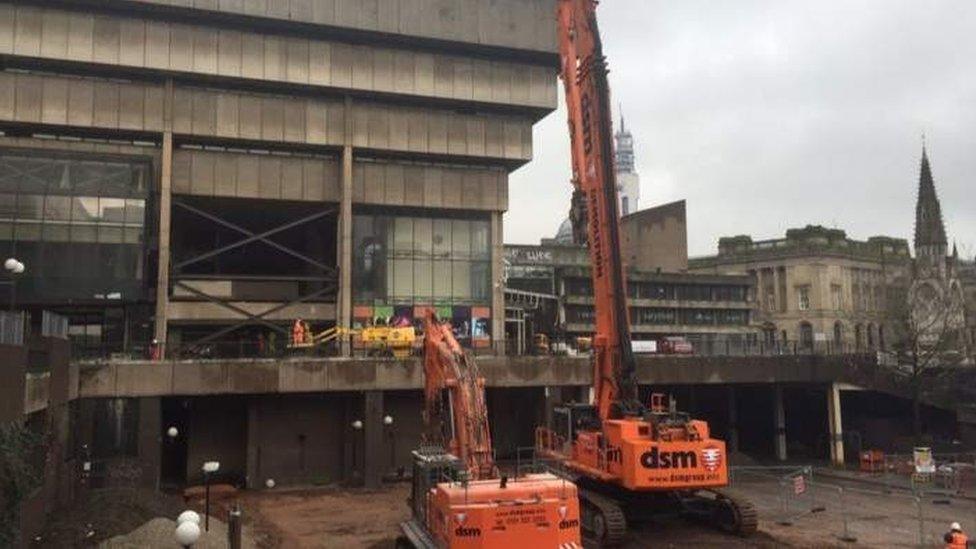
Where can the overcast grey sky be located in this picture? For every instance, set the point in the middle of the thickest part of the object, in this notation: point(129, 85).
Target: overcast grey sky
point(767, 115)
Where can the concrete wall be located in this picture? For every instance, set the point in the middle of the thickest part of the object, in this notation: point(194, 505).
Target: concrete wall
point(656, 238)
point(296, 439)
point(135, 43)
point(229, 114)
point(214, 377)
point(521, 24)
point(13, 384)
point(217, 431)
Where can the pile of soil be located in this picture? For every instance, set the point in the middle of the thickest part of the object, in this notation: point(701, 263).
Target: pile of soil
point(104, 513)
point(158, 533)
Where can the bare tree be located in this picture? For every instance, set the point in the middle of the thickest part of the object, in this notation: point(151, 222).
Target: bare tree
point(927, 344)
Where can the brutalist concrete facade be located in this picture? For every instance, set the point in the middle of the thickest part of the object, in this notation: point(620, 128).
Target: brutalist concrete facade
point(262, 160)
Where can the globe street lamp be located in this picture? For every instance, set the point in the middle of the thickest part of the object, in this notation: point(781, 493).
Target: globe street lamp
point(187, 529)
point(209, 468)
point(14, 267)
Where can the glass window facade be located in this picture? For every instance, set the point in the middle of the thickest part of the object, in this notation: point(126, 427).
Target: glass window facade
point(666, 290)
point(413, 259)
point(78, 224)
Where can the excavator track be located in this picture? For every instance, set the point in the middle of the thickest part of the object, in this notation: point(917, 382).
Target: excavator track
point(730, 514)
point(744, 517)
point(603, 521)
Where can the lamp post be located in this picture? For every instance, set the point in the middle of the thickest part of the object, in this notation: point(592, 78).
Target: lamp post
point(388, 424)
point(14, 267)
point(357, 426)
point(209, 468)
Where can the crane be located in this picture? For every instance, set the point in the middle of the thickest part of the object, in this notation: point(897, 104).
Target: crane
point(629, 460)
point(458, 497)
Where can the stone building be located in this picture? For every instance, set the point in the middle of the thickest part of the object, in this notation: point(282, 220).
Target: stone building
point(936, 301)
point(816, 288)
point(204, 172)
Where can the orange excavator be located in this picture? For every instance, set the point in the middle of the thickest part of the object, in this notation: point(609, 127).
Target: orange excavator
point(458, 498)
point(630, 461)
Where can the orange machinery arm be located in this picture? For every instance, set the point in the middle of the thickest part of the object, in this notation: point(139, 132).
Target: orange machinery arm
point(584, 75)
point(455, 412)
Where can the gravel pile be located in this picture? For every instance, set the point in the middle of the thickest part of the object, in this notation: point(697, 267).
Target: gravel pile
point(158, 534)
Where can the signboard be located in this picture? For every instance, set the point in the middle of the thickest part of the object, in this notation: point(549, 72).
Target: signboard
point(528, 255)
point(644, 346)
point(924, 463)
point(799, 485)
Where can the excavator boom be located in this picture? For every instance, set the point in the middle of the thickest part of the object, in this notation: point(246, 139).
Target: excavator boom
point(594, 212)
point(458, 499)
point(455, 412)
point(626, 459)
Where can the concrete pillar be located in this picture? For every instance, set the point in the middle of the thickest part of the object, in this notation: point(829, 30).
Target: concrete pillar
point(253, 467)
point(150, 440)
point(497, 285)
point(779, 423)
point(732, 437)
point(165, 214)
point(835, 425)
point(374, 456)
point(553, 398)
point(345, 249)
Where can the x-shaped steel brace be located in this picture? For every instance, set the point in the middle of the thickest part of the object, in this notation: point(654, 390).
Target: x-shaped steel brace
point(251, 318)
point(251, 236)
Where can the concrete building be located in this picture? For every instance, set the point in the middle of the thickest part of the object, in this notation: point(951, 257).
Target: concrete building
point(656, 239)
point(816, 288)
point(710, 310)
point(203, 173)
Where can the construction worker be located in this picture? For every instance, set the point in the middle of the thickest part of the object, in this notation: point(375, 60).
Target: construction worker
point(298, 332)
point(955, 538)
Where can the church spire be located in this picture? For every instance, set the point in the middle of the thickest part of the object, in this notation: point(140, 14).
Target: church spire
point(929, 229)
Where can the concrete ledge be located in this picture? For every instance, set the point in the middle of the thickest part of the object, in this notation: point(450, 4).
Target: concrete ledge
point(312, 375)
point(37, 392)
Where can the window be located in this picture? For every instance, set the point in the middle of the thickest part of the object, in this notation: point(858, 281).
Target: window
point(806, 336)
point(836, 297)
point(78, 224)
point(412, 259)
point(803, 297)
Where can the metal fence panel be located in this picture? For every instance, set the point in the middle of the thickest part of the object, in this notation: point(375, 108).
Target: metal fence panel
point(12, 328)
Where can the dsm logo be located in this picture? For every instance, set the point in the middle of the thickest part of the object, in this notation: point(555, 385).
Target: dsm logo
point(566, 524)
point(711, 458)
point(656, 459)
point(463, 532)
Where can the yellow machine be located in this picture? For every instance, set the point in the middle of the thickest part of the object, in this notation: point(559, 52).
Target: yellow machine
point(377, 340)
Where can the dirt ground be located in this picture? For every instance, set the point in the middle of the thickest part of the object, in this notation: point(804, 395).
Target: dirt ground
point(355, 518)
point(334, 517)
point(351, 518)
point(330, 517)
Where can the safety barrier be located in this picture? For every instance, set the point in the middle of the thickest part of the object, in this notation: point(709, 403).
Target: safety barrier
point(849, 511)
